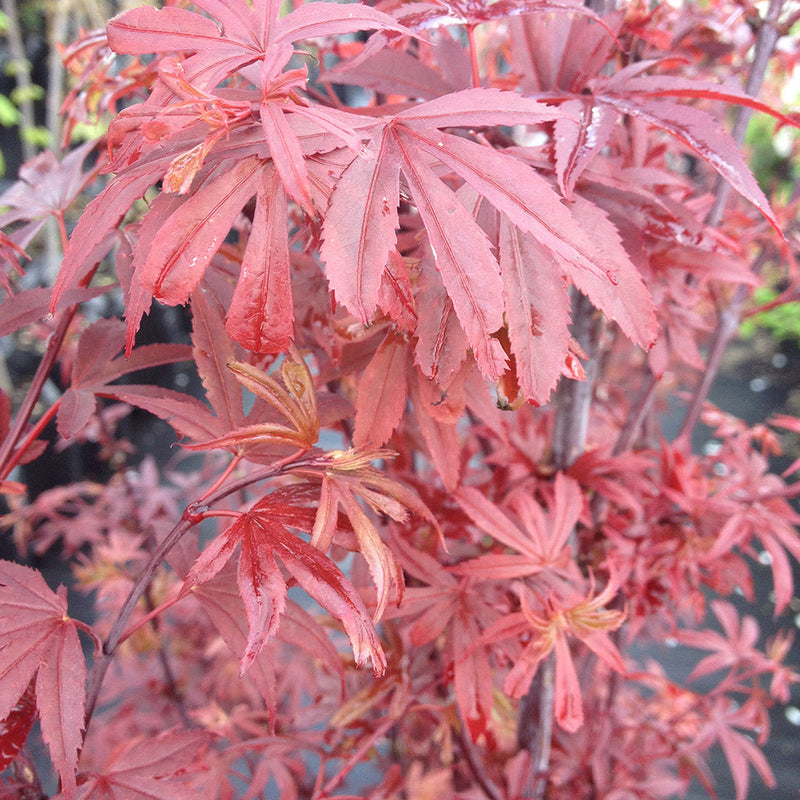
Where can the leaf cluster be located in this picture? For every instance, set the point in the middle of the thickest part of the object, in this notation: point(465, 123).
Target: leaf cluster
point(445, 266)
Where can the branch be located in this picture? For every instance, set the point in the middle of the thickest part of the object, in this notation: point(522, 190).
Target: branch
point(768, 35)
point(8, 458)
point(573, 403)
point(574, 398)
point(726, 330)
point(478, 770)
point(103, 659)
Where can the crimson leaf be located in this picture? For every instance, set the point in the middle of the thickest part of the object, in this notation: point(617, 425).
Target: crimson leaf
point(38, 641)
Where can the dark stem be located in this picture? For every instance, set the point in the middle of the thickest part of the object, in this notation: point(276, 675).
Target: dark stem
point(768, 35)
point(635, 421)
point(103, 659)
point(166, 666)
point(476, 768)
point(7, 460)
point(726, 330)
point(547, 694)
point(636, 417)
point(574, 398)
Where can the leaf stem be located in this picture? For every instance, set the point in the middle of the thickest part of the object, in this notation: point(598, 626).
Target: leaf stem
point(473, 57)
point(149, 617)
point(90, 631)
point(235, 461)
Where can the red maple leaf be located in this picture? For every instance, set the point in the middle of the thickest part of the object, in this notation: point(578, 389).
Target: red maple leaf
point(147, 768)
point(263, 535)
point(39, 642)
point(584, 618)
point(457, 610)
point(540, 541)
point(359, 232)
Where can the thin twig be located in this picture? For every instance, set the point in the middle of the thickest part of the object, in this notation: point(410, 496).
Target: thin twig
point(726, 330)
point(767, 36)
point(104, 658)
point(640, 409)
point(191, 516)
point(8, 458)
point(389, 722)
point(32, 397)
point(635, 421)
point(166, 666)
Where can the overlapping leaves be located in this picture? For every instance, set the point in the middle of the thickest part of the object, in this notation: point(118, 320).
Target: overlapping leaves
point(358, 232)
point(283, 419)
point(264, 537)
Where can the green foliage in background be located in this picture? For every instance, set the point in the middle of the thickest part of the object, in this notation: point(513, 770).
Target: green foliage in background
point(783, 321)
point(770, 155)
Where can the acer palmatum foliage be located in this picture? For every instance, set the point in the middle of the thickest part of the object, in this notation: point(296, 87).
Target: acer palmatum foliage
point(444, 262)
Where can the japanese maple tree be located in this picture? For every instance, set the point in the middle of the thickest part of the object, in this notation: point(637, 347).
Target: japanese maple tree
point(444, 263)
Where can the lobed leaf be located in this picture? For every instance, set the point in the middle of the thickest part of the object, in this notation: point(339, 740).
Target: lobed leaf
point(173, 264)
point(703, 134)
point(39, 641)
point(537, 311)
point(464, 259)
